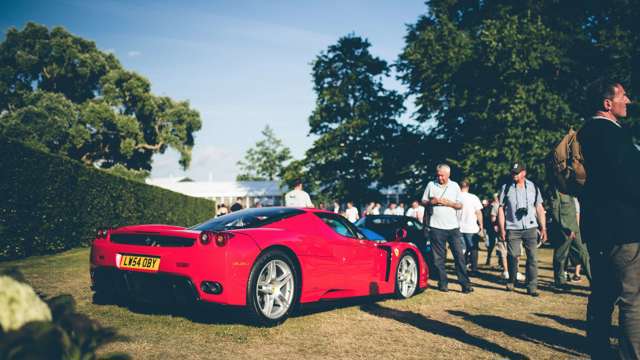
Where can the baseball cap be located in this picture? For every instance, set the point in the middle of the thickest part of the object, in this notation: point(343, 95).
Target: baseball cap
point(517, 167)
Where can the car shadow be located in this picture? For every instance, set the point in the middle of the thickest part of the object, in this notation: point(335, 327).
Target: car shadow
point(439, 328)
point(205, 313)
point(558, 340)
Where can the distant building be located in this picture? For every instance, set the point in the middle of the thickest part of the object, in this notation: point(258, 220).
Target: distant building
point(268, 193)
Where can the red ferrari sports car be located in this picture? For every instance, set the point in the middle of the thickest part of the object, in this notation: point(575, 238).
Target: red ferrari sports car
point(267, 259)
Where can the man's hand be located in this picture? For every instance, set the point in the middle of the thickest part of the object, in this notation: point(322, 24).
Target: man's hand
point(503, 234)
point(572, 235)
point(435, 201)
point(543, 235)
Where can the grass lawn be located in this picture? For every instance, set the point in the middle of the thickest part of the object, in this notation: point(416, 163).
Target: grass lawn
point(487, 324)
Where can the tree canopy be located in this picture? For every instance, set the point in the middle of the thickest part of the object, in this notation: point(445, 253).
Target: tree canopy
point(266, 160)
point(499, 81)
point(356, 120)
point(58, 92)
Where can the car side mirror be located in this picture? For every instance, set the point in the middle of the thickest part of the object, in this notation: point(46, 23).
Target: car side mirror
point(400, 235)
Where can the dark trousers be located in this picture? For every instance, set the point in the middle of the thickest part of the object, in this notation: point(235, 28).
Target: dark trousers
point(529, 238)
point(471, 242)
point(560, 254)
point(492, 237)
point(439, 240)
point(616, 281)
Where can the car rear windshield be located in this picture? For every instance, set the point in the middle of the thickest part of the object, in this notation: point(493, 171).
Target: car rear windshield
point(248, 218)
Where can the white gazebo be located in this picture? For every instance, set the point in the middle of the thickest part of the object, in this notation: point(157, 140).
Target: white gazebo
point(268, 193)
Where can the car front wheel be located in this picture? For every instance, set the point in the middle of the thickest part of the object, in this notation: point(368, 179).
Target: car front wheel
point(407, 276)
point(273, 288)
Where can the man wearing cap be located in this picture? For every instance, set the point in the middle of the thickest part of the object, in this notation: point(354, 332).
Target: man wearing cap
point(519, 217)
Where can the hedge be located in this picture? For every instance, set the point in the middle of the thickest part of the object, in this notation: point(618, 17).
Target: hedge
point(50, 203)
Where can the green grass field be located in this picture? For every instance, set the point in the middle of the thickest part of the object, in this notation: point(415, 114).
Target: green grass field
point(487, 324)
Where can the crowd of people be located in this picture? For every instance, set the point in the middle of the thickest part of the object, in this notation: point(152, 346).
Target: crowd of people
point(515, 221)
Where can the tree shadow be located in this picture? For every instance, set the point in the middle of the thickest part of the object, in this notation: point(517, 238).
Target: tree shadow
point(558, 340)
point(439, 328)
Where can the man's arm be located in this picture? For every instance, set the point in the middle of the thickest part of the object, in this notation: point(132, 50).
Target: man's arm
point(452, 204)
point(479, 216)
point(542, 221)
point(501, 221)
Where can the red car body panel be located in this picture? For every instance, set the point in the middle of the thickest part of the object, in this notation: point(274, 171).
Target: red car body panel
point(331, 266)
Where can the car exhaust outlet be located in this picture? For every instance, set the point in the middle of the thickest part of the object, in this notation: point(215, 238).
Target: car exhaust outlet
point(211, 287)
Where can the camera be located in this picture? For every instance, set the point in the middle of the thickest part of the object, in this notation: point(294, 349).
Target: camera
point(521, 212)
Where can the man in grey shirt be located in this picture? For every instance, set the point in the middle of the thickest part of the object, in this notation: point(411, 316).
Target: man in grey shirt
point(442, 198)
point(519, 216)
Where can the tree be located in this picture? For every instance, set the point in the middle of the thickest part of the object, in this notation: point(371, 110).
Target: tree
point(355, 119)
point(60, 93)
point(266, 160)
point(498, 81)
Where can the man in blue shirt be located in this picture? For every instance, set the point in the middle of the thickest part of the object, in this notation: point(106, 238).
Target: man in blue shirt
point(442, 197)
point(519, 217)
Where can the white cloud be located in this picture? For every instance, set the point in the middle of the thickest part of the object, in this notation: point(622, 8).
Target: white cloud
point(134, 53)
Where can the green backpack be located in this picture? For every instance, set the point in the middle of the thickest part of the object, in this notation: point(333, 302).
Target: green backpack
point(565, 165)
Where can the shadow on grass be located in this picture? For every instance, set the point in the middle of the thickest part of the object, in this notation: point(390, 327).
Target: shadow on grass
point(568, 343)
point(572, 323)
point(205, 313)
point(439, 328)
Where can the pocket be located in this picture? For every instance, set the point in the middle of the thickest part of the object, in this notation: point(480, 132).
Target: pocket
point(624, 254)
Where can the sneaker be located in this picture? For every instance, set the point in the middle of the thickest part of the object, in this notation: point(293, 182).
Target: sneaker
point(509, 287)
point(505, 275)
point(520, 277)
point(533, 293)
point(443, 288)
point(467, 289)
point(576, 278)
point(562, 287)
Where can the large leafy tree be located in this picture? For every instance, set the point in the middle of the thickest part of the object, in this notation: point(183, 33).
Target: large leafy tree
point(356, 120)
point(59, 93)
point(498, 81)
point(266, 160)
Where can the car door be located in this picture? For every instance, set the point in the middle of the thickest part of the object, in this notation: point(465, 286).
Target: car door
point(355, 255)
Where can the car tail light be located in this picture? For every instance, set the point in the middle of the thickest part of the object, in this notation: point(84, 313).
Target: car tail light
point(206, 237)
point(101, 233)
point(223, 238)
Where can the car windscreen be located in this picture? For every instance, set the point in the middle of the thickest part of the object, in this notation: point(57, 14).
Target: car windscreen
point(248, 218)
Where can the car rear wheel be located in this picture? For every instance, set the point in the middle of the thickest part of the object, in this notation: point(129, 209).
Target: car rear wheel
point(273, 288)
point(406, 276)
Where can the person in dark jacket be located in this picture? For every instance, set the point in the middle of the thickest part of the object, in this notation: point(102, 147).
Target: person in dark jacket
point(610, 211)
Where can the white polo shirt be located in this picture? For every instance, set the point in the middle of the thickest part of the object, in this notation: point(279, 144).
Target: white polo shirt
point(443, 217)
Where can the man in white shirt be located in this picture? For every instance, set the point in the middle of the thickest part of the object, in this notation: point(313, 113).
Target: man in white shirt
point(443, 197)
point(400, 209)
point(297, 197)
point(416, 211)
point(391, 210)
point(351, 213)
point(470, 217)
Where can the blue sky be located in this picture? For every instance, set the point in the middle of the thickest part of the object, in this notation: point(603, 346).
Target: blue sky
point(241, 64)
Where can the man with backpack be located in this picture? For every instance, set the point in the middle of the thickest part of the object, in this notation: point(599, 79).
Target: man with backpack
point(610, 211)
point(519, 217)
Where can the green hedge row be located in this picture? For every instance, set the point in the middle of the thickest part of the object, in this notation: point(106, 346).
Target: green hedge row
point(49, 203)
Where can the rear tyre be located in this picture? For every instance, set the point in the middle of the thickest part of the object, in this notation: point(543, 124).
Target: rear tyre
point(406, 276)
point(273, 288)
